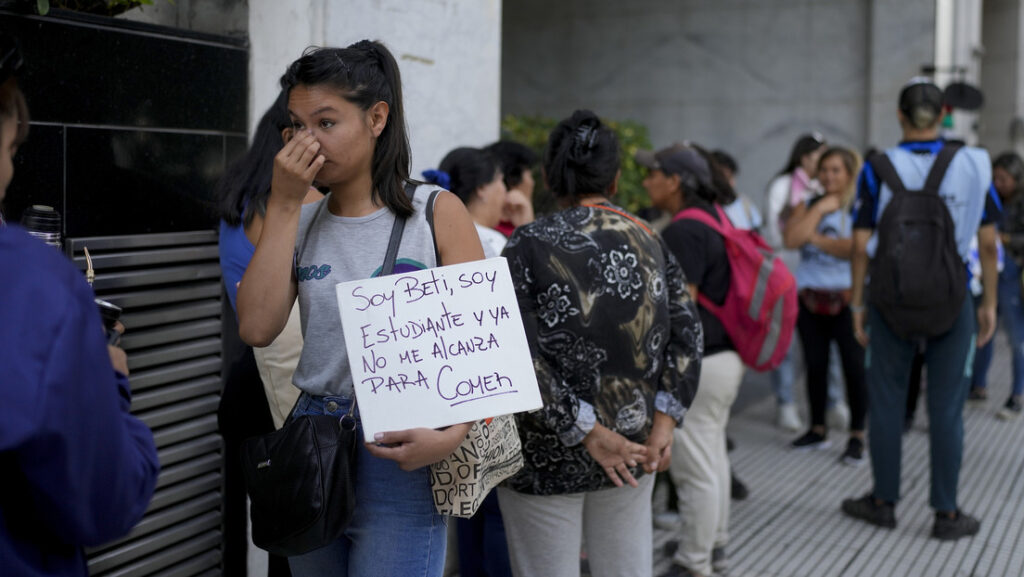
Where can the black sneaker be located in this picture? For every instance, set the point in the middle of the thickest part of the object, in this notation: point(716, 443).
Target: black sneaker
point(739, 490)
point(719, 560)
point(977, 396)
point(1011, 410)
point(811, 440)
point(868, 509)
point(948, 529)
point(854, 453)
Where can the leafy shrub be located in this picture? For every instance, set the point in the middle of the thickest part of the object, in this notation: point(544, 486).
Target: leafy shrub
point(533, 131)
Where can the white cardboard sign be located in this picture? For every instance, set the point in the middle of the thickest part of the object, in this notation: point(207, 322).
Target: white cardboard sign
point(437, 347)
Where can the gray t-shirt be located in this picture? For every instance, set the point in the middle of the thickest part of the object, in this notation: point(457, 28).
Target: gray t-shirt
point(334, 249)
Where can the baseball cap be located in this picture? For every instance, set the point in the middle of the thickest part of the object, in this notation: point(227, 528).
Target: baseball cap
point(920, 92)
point(676, 159)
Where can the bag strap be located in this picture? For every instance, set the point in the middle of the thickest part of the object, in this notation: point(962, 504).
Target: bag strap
point(430, 221)
point(939, 167)
point(702, 216)
point(887, 172)
point(622, 214)
point(391, 255)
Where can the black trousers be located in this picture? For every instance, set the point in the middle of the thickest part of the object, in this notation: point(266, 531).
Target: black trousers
point(817, 332)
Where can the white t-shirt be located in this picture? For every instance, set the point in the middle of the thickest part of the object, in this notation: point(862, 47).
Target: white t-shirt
point(492, 240)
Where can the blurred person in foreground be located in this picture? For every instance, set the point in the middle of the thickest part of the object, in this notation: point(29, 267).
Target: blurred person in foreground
point(78, 469)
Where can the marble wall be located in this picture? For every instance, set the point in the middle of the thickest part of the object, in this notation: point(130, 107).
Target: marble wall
point(449, 53)
point(747, 76)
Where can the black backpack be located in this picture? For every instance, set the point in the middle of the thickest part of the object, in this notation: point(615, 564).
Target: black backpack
point(918, 280)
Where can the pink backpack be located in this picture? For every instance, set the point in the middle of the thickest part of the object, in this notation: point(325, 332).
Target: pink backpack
point(760, 309)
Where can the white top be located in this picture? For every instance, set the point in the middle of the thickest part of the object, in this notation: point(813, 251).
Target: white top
point(492, 240)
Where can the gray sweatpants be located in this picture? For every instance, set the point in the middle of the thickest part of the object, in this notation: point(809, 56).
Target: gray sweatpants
point(545, 532)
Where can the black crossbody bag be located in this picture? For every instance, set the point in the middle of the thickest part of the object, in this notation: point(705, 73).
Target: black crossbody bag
point(301, 478)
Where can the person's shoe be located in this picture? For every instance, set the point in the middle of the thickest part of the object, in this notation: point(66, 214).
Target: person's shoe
point(854, 453)
point(667, 521)
point(838, 416)
point(872, 511)
point(811, 441)
point(788, 418)
point(680, 571)
point(1011, 410)
point(719, 560)
point(977, 396)
point(961, 525)
point(739, 490)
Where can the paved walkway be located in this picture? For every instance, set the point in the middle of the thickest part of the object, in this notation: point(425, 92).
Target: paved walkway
point(791, 525)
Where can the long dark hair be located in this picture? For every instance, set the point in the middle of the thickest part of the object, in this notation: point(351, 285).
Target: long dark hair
point(365, 73)
point(719, 191)
point(805, 145)
point(582, 157)
point(243, 191)
point(468, 169)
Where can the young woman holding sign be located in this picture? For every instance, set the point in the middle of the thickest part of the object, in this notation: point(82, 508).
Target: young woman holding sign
point(348, 133)
point(616, 344)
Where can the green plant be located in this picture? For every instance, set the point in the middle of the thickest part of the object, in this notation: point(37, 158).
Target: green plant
point(107, 7)
point(533, 131)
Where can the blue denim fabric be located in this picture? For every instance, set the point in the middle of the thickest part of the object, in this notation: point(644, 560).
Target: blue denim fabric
point(949, 359)
point(782, 377)
point(1011, 318)
point(395, 530)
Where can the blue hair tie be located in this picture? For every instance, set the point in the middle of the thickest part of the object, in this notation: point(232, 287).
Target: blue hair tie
point(438, 177)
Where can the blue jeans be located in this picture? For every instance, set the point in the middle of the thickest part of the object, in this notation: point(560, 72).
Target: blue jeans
point(395, 530)
point(1011, 316)
point(949, 359)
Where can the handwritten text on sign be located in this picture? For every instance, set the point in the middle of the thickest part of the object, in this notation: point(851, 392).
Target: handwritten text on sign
point(437, 347)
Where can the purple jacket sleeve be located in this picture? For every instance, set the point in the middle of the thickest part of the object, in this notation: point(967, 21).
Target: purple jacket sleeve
point(92, 466)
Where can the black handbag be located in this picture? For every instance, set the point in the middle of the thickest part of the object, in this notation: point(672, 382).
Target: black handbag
point(301, 478)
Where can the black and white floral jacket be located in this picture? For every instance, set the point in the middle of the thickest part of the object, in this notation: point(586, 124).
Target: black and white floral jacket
point(614, 336)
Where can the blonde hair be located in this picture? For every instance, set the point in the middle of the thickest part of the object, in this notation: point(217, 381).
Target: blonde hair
point(852, 162)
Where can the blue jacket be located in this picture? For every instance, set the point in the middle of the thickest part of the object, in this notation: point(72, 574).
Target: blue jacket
point(78, 470)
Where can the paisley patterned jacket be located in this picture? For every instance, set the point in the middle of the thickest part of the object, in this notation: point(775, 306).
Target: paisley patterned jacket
point(614, 336)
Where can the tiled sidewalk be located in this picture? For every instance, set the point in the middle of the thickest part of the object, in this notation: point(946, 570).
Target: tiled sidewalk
point(791, 524)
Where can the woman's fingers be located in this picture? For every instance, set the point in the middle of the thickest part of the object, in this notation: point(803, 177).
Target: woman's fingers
point(610, 471)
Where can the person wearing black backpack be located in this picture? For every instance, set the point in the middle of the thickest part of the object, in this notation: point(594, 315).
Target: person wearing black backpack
point(918, 206)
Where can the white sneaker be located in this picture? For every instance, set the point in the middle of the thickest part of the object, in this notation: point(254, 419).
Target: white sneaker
point(838, 417)
point(789, 419)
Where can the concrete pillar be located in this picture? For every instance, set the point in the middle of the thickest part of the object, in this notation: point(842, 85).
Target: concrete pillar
point(1002, 118)
point(901, 40)
point(449, 53)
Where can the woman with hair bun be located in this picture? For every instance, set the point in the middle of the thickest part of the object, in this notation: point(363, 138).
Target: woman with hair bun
point(616, 345)
point(348, 134)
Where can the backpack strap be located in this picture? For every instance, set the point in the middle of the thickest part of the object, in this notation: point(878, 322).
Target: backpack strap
point(887, 172)
point(430, 221)
point(702, 216)
point(938, 170)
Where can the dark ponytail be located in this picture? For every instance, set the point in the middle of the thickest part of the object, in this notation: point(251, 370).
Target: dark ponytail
point(366, 73)
point(582, 157)
point(718, 191)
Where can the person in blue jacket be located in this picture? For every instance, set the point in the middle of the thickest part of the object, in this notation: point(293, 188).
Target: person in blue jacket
point(78, 469)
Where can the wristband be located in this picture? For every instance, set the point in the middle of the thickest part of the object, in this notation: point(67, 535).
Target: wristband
point(857, 308)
